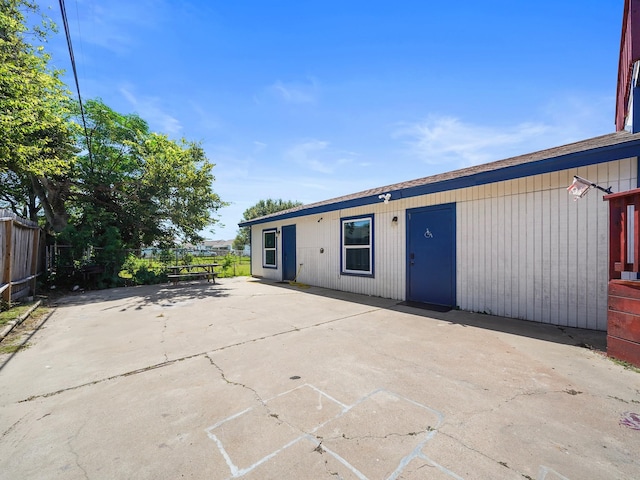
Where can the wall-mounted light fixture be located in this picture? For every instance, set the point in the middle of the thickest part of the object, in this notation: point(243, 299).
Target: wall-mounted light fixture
point(394, 220)
point(385, 197)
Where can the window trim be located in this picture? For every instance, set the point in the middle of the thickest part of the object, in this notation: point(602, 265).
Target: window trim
point(343, 248)
point(274, 248)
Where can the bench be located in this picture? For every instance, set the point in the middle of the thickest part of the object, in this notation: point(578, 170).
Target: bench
point(176, 277)
point(91, 272)
point(192, 272)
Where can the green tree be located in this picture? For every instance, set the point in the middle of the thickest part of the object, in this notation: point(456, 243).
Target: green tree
point(260, 209)
point(37, 138)
point(142, 187)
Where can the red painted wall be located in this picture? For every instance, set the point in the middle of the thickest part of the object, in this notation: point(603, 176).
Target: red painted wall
point(629, 53)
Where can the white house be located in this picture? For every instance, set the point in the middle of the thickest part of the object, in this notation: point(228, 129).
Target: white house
point(503, 238)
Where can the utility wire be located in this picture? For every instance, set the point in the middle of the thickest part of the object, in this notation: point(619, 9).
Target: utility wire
point(65, 23)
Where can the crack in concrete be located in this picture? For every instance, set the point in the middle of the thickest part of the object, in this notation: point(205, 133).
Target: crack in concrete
point(113, 377)
point(501, 404)
point(383, 437)
point(164, 329)
point(231, 382)
point(12, 427)
point(188, 357)
point(461, 443)
point(331, 472)
point(321, 451)
point(264, 404)
point(74, 453)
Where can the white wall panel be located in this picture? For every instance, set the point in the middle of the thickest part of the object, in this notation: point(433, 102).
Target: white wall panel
point(554, 252)
point(525, 249)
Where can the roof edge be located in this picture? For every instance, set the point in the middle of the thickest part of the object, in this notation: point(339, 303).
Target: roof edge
point(626, 146)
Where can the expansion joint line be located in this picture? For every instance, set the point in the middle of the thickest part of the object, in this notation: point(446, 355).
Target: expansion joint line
point(195, 355)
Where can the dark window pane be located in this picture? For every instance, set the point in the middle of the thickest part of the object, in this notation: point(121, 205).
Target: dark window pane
point(270, 257)
point(357, 232)
point(270, 240)
point(358, 259)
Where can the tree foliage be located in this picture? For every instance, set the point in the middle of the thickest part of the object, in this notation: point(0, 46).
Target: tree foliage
point(36, 137)
point(260, 209)
point(152, 189)
point(116, 186)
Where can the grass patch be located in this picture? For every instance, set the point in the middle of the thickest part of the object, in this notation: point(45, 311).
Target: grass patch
point(13, 348)
point(625, 365)
point(146, 271)
point(16, 340)
point(13, 313)
point(235, 270)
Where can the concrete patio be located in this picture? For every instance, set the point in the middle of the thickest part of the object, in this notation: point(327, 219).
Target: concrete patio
point(256, 380)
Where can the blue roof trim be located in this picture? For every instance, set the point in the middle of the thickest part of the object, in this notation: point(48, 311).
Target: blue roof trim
point(563, 162)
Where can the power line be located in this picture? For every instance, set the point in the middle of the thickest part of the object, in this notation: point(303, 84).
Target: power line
point(65, 23)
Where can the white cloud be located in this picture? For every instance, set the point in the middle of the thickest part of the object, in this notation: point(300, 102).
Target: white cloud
point(309, 154)
point(258, 146)
point(296, 93)
point(149, 109)
point(319, 156)
point(206, 119)
point(448, 140)
point(114, 26)
point(453, 143)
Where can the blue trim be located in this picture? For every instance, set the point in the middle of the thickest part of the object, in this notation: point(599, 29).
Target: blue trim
point(371, 242)
point(553, 164)
point(275, 234)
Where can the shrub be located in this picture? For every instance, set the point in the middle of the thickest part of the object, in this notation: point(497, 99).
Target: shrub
point(142, 272)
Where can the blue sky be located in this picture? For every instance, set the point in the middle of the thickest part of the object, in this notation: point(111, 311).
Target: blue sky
point(309, 100)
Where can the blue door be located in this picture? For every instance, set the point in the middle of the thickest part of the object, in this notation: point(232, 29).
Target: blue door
point(431, 255)
point(289, 252)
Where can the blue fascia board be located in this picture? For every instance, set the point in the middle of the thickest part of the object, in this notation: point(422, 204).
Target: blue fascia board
point(563, 162)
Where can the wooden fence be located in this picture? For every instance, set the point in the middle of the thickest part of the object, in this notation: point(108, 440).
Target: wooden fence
point(20, 265)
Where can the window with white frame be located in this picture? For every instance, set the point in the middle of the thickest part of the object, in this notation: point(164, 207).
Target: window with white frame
point(269, 248)
point(357, 245)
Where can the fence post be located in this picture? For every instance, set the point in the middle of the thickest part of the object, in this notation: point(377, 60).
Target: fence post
point(6, 275)
point(34, 260)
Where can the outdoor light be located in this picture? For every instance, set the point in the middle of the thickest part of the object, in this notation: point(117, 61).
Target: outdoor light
point(385, 197)
point(581, 186)
point(394, 219)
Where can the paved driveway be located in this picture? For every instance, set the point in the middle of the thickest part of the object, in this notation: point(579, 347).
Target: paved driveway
point(254, 380)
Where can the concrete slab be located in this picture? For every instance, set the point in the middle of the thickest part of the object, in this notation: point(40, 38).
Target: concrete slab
point(249, 379)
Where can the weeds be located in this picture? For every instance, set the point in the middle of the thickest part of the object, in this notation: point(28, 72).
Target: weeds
point(625, 365)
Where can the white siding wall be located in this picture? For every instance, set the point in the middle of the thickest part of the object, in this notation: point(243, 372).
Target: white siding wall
point(524, 248)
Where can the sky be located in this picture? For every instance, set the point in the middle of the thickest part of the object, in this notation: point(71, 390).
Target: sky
point(310, 100)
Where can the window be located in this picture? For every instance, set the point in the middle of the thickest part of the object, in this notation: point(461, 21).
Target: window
point(357, 246)
point(269, 248)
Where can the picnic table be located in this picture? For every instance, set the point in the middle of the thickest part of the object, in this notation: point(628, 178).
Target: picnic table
point(192, 272)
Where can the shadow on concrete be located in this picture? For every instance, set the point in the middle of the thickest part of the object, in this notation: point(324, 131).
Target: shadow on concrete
point(147, 295)
point(580, 337)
